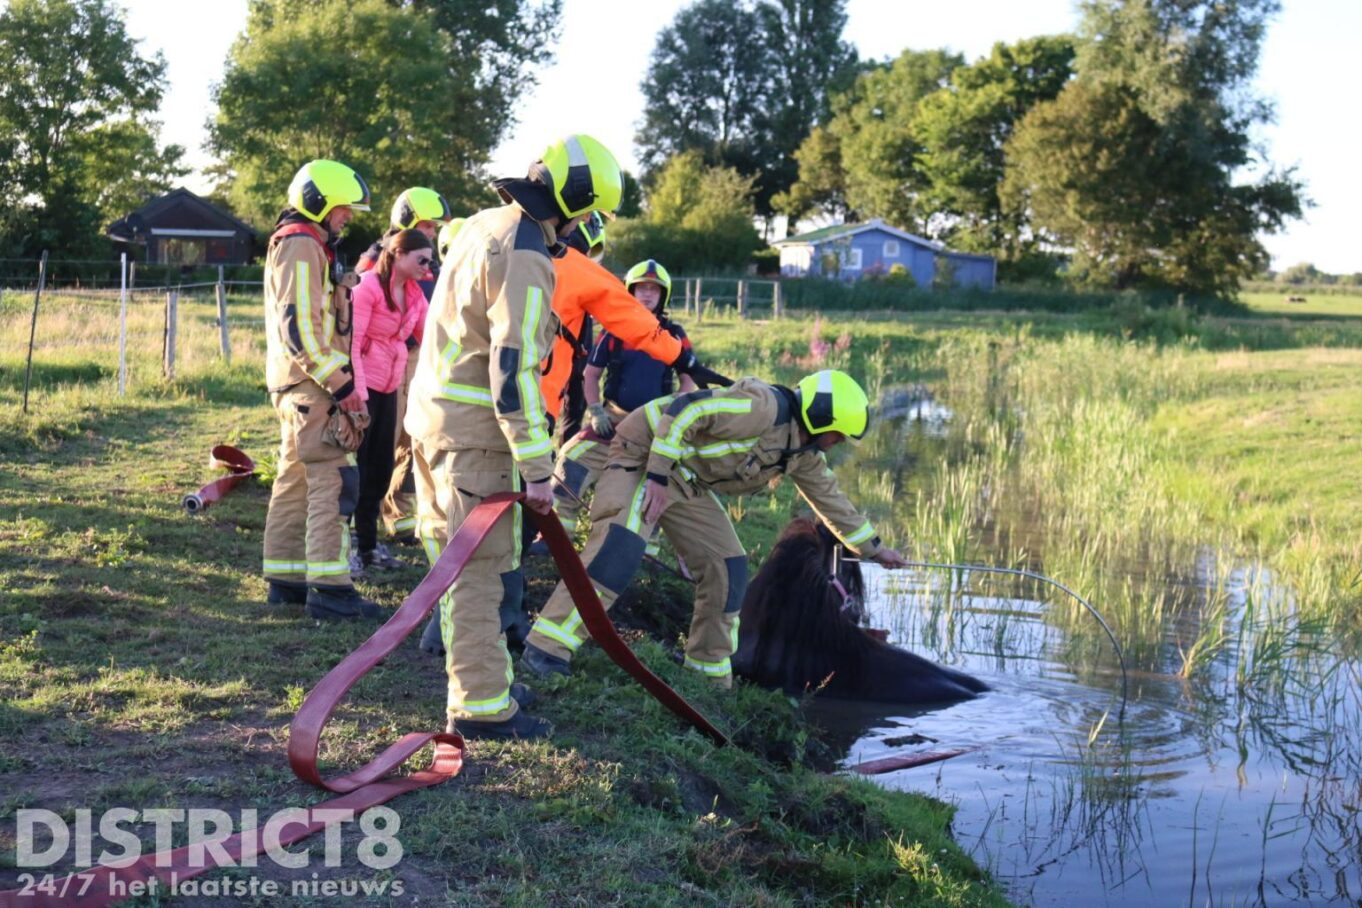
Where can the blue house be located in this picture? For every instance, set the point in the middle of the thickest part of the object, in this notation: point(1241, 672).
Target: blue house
point(851, 251)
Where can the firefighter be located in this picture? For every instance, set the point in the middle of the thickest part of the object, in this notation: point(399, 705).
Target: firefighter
point(669, 462)
point(585, 291)
point(417, 208)
point(476, 415)
point(312, 387)
point(632, 379)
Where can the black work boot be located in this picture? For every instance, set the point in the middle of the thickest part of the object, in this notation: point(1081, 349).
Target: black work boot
point(537, 662)
point(432, 641)
point(286, 592)
point(341, 603)
point(523, 695)
point(521, 725)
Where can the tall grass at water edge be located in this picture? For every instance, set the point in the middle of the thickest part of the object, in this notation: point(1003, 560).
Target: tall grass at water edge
point(1059, 456)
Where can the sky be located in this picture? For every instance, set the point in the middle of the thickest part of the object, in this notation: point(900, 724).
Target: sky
point(1306, 70)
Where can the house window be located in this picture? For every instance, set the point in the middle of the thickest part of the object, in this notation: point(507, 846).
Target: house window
point(891, 249)
point(853, 259)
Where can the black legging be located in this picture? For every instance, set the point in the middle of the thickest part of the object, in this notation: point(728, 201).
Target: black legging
point(375, 459)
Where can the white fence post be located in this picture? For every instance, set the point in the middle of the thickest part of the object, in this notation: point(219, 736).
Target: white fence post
point(742, 298)
point(123, 325)
point(775, 300)
point(699, 305)
point(223, 339)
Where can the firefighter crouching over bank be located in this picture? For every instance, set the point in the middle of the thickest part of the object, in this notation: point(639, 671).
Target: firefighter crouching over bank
point(312, 387)
point(669, 462)
point(476, 415)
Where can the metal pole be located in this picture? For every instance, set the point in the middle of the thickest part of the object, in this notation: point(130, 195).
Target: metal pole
point(775, 300)
point(123, 325)
point(223, 340)
point(33, 325)
point(742, 298)
point(172, 321)
point(699, 289)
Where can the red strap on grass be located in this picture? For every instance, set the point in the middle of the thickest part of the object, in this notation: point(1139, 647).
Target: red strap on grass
point(374, 783)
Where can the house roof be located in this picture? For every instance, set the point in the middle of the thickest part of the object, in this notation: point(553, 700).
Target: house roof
point(839, 231)
point(140, 221)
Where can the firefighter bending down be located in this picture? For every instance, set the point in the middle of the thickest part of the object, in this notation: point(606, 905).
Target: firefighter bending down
point(669, 462)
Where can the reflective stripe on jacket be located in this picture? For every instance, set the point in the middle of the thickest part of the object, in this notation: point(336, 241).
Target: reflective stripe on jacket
point(307, 321)
point(489, 326)
point(585, 288)
point(734, 442)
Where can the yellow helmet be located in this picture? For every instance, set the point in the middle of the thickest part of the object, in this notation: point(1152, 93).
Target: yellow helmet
point(650, 270)
point(446, 238)
point(419, 204)
point(322, 185)
point(584, 175)
point(832, 401)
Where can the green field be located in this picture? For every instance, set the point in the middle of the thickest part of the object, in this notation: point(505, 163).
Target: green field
point(1316, 305)
point(139, 667)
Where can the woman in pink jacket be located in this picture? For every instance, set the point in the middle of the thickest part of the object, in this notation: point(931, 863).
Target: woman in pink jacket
point(389, 308)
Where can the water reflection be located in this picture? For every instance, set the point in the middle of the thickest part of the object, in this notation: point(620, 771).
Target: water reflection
point(1232, 788)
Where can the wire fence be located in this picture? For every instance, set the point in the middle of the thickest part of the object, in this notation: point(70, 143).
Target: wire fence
point(78, 332)
point(82, 334)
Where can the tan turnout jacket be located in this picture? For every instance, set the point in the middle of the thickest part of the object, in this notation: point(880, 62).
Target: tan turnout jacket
point(307, 321)
point(489, 326)
point(734, 441)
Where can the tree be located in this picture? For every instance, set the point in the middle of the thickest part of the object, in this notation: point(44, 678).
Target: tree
point(499, 45)
point(1301, 273)
point(78, 146)
point(381, 86)
point(963, 130)
point(873, 127)
point(699, 218)
point(743, 83)
point(1134, 165)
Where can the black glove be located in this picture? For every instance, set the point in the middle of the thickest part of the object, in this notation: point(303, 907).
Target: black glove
point(688, 364)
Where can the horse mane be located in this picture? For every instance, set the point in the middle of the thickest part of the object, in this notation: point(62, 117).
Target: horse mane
point(803, 635)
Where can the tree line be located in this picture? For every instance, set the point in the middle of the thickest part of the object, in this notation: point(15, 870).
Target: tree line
point(1118, 156)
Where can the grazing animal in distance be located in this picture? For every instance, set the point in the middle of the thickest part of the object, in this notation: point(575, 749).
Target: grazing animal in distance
point(800, 631)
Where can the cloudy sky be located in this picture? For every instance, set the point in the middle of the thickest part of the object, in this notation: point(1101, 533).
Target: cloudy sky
point(1307, 71)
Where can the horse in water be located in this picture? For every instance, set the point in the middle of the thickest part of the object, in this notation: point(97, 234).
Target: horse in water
point(800, 631)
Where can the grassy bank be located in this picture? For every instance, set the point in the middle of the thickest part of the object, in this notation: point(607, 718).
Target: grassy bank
point(136, 655)
point(138, 668)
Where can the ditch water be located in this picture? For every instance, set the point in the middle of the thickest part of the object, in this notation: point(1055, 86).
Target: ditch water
point(1240, 786)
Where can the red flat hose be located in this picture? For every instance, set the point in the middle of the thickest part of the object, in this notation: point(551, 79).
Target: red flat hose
point(374, 783)
point(239, 467)
point(907, 761)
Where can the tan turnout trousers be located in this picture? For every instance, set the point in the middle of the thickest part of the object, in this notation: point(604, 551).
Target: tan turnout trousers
point(580, 463)
point(315, 491)
point(399, 506)
point(698, 526)
point(449, 485)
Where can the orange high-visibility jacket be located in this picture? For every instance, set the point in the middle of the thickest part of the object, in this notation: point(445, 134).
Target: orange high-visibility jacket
point(585, 288)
